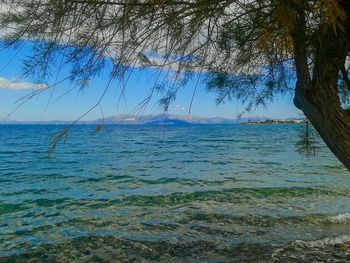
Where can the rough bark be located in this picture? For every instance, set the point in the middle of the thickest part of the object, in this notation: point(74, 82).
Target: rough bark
point(321, 106)
point(316, 94)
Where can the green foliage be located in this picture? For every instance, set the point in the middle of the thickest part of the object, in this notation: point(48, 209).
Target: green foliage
point(307, 143)
point(57, 138)
point(249, 41)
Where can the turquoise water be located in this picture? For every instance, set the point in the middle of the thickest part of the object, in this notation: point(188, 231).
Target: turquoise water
point(216, 193)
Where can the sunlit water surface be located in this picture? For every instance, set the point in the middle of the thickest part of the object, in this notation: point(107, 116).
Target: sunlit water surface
point(216, 193)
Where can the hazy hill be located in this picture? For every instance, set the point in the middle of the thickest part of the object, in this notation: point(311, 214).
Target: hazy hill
point(147, 119)
point(144, 119)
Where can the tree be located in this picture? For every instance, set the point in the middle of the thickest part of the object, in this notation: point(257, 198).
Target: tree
point(247, 49)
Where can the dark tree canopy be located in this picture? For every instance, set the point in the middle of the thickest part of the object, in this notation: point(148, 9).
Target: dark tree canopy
point(245, 49)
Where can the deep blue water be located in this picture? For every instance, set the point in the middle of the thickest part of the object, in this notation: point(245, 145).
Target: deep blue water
point(195, 193)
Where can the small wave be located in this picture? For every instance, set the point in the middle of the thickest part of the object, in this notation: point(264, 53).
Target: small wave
point(330, 249)
point(341, 218)
point(324, 242)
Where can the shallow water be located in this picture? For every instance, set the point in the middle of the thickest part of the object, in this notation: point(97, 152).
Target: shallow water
point(216, 193)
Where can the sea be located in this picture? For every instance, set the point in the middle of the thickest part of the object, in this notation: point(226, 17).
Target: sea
point(197, 193)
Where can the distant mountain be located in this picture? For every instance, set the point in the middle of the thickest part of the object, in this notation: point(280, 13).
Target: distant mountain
point(10, 121)
point(144, 119)
point(7, 120)
point(157, 119)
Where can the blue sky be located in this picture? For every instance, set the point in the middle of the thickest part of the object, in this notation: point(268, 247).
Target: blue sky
point(54, 105)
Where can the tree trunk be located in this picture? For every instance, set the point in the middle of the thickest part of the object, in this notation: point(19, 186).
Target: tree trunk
point(319, 100)
point(316, 93)
point(322, 108)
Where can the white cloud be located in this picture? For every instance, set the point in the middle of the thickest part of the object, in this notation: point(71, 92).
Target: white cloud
point(15, 85)
point(177, 109)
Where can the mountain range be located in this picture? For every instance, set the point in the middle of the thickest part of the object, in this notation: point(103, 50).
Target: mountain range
point(157, 119)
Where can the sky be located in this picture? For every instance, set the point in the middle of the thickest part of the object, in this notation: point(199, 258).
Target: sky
point(59, 103)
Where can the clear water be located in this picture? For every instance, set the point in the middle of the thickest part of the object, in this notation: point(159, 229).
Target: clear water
point(216, 193)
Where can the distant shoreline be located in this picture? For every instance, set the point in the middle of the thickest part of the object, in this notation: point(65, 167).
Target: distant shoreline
point(157, 119)
point(298, 121)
